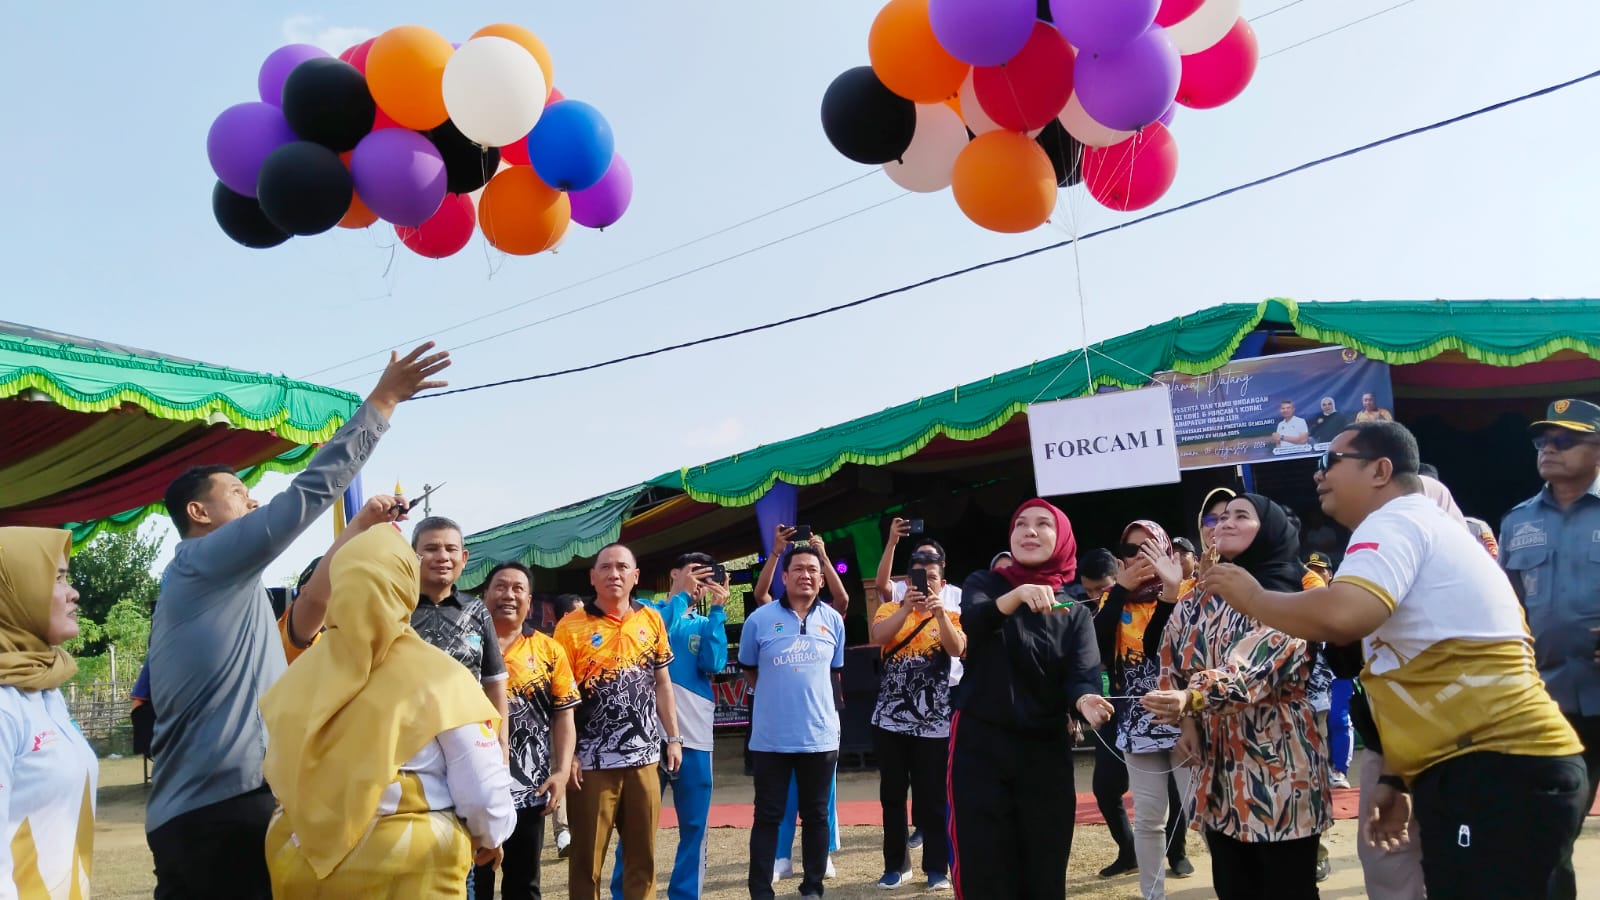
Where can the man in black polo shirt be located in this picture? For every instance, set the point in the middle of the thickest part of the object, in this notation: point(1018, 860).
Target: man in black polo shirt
point(457, 623)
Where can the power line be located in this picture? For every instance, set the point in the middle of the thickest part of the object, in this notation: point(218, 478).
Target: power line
point(1317, 37)
point(622, 268)
point(658, 282)
point(1028, 253)
point(1277, 10)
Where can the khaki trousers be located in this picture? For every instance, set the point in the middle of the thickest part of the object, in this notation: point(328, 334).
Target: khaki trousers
point(630, 800)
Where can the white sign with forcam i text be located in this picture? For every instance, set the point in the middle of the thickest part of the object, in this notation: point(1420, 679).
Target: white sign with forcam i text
point(1107, 441)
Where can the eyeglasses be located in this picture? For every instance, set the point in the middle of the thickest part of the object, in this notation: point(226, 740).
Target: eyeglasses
point(1561, 441)
point(1330, 457)
point(1208, 521)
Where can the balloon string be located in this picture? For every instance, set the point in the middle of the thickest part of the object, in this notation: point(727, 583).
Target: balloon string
point(1187, 798)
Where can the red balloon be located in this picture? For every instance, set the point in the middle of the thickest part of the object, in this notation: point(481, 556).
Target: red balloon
point(445, 232)
point(555, 95)
point(1174, 11)
point(1220, 72)
point(381, 120)
point(357, 55)
point(1134, 173)
point(1033, 87)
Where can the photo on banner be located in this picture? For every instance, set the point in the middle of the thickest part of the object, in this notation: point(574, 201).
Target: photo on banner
point(1286, 406)
point(1103, 442)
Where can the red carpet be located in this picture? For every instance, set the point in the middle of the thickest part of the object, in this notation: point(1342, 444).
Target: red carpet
point(867, 812)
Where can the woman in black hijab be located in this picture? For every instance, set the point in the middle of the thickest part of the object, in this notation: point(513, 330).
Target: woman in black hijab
point(1239, 690)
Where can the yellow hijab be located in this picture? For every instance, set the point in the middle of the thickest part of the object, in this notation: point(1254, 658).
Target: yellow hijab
point(363, 700)
point(29, 558)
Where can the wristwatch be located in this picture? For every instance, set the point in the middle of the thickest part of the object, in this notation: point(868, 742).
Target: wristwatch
point(1394, 781)
point(675, 739)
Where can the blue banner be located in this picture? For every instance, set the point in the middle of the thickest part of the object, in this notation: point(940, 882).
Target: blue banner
point(1288, 406)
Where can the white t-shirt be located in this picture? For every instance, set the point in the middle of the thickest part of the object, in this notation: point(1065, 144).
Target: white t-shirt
point(48, 778)
point(1294, 426)
point(1451, 671)
point(950, 596)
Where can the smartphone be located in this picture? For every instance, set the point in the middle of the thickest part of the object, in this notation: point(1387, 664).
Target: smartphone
point(919, 580)
point(802, 533)
point(915, 526)
point(719, 573)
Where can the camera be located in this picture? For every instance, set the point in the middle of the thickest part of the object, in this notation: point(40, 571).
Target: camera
point(802, 533)
point(915, 525)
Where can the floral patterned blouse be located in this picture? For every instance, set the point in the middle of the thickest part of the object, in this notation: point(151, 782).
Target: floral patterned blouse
point(1263, 775)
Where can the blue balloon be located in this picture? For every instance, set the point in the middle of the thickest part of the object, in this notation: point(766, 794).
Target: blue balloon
point(571, 147)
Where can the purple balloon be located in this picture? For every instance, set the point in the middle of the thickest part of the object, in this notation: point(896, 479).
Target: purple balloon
point(982, 32)
point(1167, 117)
point(240, 140)
point(604, 203)
point(279, 63)
point(399, 175)
point(1132, 86)
point(1101, 25)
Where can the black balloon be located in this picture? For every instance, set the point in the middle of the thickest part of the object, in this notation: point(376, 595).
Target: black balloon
point(1044, 12)
point(1065, 152)
point(304, 188)
point(866, 121)
point(241, 218)
point(327, 101)
point(467, 166)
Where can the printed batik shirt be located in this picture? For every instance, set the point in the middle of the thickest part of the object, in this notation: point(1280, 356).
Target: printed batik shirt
point(460, 626)
point(1263, 774)
point(914, 696)
point(614, 661)
point(539, 685)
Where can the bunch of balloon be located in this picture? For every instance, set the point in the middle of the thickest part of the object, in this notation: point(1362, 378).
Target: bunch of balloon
point(437, 139)
point(1005, 102)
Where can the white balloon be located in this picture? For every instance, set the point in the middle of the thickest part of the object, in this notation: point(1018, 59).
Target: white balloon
point(972, 110)
point(1078, 123)
point(1205, 26)
point(929, 162)
point(494, 90)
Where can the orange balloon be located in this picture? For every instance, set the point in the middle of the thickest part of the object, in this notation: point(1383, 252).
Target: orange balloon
point(1004, 182)
point(955, 104)
point(521, 215)
point(357, 216)
point(906, 56)
point(405, 72)
point(529, 42)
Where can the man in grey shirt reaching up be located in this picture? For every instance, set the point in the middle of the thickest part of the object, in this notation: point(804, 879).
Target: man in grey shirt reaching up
point(215, 649)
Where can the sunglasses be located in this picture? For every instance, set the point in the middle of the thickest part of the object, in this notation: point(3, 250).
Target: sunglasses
point(1209, 521)
point(1330, 457)
point(925, 557)
point(1127, 551)
point(1561, 441)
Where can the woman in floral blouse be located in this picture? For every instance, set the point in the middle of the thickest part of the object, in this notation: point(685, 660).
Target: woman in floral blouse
point(1239, 691)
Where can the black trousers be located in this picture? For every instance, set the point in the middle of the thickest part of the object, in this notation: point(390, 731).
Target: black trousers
point(1012, 806)
point(1498, 826)
point(1111, 785)
point(918, 763)
point(1268, 870)
point(1564, 885)
point(521, 863)
point(813, 776)
point(215, 851)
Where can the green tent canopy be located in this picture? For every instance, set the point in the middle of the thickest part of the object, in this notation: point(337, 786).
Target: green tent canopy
point(96, 431)
point(1494, 332)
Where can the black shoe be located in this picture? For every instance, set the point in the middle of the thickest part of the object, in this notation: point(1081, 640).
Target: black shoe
point(1181, 867)
point(1323, 868)
point(1120, 867)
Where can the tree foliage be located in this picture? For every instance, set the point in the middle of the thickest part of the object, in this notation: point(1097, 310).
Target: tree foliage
point(116, 589)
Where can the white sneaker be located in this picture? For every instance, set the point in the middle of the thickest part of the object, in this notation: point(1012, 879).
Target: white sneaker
point(563, 841)
point(781, 869)
point(1339, 780)
point(831, 870)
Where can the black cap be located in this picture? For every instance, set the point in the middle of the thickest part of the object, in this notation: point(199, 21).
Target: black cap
point(1573, 415)
point(1183, 544)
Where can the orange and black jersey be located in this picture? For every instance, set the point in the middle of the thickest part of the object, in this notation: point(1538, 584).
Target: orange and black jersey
point(540, 683)
point(614, 661)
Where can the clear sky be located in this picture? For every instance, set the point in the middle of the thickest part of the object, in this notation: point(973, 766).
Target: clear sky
point(715, 105)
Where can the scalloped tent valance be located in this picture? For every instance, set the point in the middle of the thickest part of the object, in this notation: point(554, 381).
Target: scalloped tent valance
point(1493, 332)
point(95, 431)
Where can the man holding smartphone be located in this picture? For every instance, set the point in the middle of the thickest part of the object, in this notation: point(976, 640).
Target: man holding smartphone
point(699, 650)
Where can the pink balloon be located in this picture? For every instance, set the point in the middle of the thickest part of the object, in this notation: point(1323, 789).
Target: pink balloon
point(1132, 174)
point(1174, 11)
point(1220, 72)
